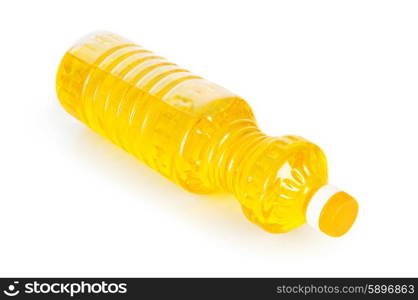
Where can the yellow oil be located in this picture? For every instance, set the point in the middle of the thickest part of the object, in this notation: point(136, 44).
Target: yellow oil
point(192, 131)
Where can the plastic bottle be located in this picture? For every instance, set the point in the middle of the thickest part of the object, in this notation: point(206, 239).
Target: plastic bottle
point(199, 135)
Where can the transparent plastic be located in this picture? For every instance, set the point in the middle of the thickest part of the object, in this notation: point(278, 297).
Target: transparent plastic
point(192, 131)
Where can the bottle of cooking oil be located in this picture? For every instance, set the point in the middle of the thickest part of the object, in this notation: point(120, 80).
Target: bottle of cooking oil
point(199, 135)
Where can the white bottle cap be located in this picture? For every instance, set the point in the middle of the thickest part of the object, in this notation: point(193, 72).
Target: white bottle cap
point(331, 211)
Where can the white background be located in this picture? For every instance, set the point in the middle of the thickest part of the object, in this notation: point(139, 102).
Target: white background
point(343, 74)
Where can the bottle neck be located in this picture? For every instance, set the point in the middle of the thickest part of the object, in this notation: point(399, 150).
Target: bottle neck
point(246, 156)
point(272, 177)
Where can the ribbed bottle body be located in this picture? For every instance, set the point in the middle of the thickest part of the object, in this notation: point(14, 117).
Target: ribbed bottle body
point(143, 103)
point(190, 130)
